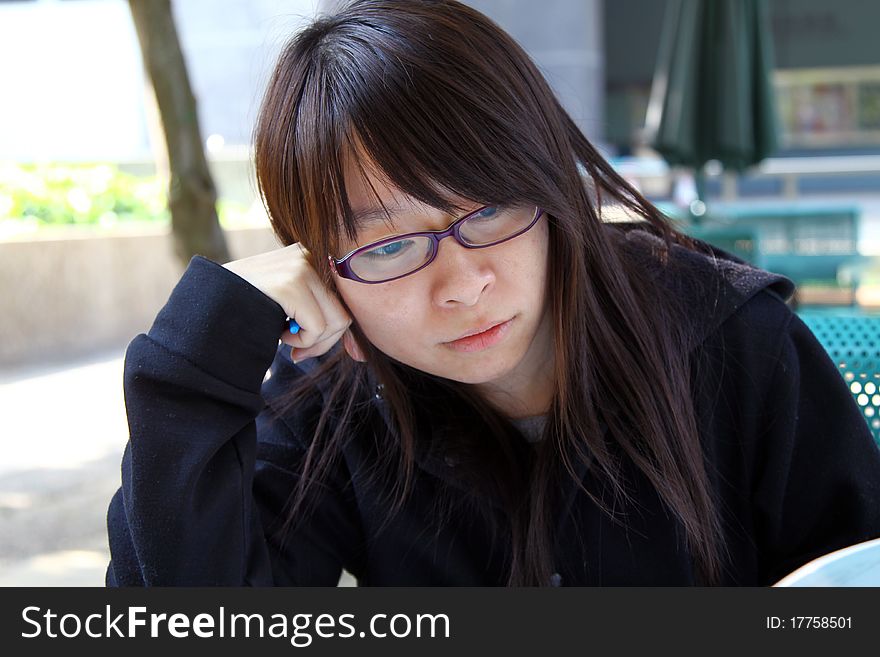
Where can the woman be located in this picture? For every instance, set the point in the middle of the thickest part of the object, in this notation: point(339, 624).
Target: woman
point(635, 407)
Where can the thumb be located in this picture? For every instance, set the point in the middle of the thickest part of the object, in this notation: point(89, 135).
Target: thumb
point(352, 348)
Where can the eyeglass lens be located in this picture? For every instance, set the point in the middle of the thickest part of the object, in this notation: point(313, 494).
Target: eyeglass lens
point(400, 257)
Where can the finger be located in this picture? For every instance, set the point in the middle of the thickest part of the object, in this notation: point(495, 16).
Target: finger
point(318, 349)
point(319, 313)
point(333, 328)
point(335, 321)
point(291, 339)
point(287, 338)
point(311, 319)
point(327, 294)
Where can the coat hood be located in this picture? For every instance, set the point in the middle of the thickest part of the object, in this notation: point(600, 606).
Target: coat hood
point(712, 284)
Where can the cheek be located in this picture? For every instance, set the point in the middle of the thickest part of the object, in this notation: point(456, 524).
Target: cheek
point(383, 315)
point(527, 263)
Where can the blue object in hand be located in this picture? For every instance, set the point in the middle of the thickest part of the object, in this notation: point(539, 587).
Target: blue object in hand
point(294, 327)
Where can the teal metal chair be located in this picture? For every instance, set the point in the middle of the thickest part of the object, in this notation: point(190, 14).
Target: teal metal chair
point(853, 342)
point(741, 242)
point(811, 246)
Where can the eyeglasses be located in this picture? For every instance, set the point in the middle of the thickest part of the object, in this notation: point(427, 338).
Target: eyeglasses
point(401, 255)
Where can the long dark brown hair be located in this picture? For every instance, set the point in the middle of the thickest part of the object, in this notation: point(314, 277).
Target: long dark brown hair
point(445, 104)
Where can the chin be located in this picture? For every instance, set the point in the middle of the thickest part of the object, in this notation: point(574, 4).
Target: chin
point(471, 368)
point(485, 369)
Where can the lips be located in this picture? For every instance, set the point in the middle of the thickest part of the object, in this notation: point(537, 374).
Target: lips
point(485, 339)
point(475, 331)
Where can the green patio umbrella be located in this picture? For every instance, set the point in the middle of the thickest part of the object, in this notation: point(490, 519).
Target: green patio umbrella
point(712, 97)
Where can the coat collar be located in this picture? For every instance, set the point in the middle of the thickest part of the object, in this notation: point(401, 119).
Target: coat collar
point(428, 453)
point(711, 285)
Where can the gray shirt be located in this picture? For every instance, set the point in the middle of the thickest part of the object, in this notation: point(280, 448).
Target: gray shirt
point(531, 427)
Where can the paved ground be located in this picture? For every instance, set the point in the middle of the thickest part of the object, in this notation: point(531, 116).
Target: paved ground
point(63, 430)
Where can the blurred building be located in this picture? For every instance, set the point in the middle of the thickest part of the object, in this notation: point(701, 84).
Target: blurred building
point(827, 76)
point(78, 91)
point(78, 83)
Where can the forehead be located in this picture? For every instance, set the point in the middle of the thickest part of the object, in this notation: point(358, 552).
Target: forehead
point(377, 205)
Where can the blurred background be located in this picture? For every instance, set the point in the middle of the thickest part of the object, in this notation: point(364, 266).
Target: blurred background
point(755, 124)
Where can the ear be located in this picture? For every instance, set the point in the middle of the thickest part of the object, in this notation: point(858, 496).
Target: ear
point(352, 348)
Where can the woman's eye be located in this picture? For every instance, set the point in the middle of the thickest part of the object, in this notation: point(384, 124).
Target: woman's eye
point(486, 213)
point(389, 250)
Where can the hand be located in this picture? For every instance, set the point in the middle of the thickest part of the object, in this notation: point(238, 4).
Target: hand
point(286, 276)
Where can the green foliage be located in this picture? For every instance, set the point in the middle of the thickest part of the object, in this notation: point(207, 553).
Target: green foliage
point(233, 215)
point(36, 199)
point(94, 195)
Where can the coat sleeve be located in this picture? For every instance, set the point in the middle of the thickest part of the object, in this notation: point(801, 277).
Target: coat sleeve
point(817, 467)
point(197, 496)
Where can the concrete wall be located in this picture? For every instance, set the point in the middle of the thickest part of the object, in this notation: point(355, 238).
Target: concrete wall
point(84, 56)
point(74, 296)
point(564, 38)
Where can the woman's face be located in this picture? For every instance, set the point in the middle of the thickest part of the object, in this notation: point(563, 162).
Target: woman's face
point(412, 319)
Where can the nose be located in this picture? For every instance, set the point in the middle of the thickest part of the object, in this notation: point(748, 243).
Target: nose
point(461, 275)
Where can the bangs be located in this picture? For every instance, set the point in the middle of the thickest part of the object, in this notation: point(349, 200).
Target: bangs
point(362, 162)
point(393, 94)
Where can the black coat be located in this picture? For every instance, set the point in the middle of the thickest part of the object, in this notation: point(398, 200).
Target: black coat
point(207, 470)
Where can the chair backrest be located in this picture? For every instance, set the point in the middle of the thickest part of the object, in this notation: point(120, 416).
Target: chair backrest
point(853, 342)
point(741, 242)
point(808, 245)
point(801, 232)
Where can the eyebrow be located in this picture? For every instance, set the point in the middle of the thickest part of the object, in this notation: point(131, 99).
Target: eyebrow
point(369, 216)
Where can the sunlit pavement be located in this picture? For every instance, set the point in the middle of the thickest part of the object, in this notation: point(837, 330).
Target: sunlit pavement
point(63, 431)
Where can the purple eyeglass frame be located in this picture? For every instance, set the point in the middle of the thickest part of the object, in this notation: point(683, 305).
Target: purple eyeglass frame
point(341, 267)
